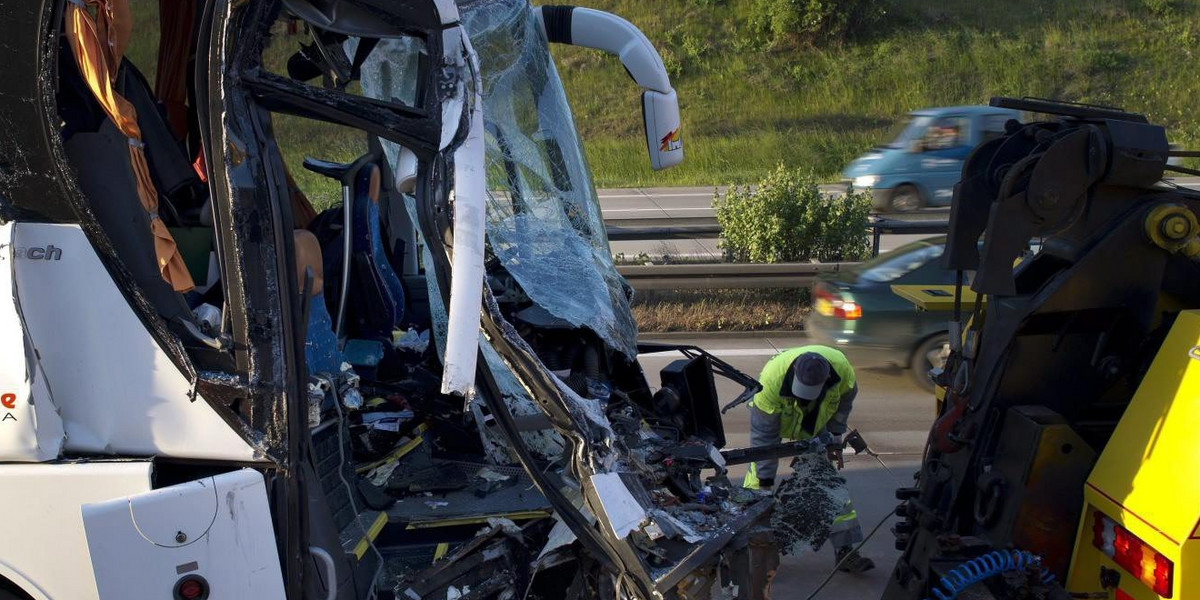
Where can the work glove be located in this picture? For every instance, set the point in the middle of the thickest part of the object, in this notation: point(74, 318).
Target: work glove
point(834, 452)
point(833, 445)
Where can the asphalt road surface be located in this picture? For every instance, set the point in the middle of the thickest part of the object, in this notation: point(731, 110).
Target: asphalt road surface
point(892, 414)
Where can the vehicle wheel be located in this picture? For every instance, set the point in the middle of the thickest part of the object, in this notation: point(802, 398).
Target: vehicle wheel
point(906, 198)
point(929, 354)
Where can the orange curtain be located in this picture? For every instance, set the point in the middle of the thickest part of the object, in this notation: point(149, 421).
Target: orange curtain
point(98, 45)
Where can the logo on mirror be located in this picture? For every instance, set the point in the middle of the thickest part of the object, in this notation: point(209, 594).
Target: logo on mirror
point(670, 142)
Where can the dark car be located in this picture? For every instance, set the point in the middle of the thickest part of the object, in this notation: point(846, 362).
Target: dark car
point(856, 310)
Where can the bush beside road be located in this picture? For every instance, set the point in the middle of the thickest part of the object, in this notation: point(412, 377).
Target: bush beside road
point(787, 218)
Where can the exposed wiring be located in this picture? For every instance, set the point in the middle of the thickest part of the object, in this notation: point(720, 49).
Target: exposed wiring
point(860, 545)
point(985, 567)
point(833, 572)
point(350, 489)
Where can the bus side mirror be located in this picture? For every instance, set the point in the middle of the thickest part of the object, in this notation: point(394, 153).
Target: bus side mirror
point(663, 139)
point(605, 31)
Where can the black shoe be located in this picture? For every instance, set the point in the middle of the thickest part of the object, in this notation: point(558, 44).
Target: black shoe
point(849, 561)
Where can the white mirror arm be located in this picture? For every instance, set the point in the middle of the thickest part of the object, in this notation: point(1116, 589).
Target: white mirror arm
point(607, 32)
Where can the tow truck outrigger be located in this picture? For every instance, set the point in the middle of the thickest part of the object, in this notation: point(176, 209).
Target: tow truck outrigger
point(215, 390)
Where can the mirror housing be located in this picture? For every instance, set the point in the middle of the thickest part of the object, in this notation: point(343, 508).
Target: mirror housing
point(663, 138)
point(600, 30)
point(917, 146)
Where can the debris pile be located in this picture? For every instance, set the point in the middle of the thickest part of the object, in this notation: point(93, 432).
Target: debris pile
point(807, 503)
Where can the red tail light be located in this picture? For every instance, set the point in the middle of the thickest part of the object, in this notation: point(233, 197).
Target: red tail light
point(191, 587)
point(829, 303)
point(1133, 555)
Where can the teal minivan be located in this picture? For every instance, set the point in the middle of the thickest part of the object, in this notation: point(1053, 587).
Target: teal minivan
point(924, 158)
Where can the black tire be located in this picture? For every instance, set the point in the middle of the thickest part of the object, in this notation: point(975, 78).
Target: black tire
point(925, 357)
point(906, 198)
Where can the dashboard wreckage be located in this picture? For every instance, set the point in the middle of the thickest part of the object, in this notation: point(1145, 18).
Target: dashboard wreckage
point(428, 390)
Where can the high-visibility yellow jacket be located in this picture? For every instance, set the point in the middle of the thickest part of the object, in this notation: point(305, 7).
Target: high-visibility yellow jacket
point(775, 414)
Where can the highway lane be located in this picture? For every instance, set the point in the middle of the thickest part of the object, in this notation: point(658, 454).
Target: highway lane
point(671, 204)
point(894, 417)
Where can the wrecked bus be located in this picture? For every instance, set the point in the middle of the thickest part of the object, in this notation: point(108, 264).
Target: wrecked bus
point(428, 390)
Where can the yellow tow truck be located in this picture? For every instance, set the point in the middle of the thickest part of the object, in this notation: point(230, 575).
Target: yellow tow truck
point(1063, 460)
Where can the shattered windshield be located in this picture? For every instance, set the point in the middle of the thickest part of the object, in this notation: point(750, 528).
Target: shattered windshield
point(544, 222)
point(544, 226)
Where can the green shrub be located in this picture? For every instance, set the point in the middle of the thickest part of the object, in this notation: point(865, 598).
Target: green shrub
point(814, 20)
point(786, 218)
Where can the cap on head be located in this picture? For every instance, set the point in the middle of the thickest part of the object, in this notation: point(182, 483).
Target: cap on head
point(810, 371)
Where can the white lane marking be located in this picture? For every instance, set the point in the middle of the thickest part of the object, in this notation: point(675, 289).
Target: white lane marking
point(603, 196)
point(717, 352)
point(669, 208)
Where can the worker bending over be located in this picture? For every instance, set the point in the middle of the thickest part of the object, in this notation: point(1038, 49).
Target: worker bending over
point(807, 391)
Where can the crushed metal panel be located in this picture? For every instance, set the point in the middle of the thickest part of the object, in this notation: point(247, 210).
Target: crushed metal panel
point(104, 370)
point(546, 443)
point(31, 429)
point(625, 514)
point(494, 564)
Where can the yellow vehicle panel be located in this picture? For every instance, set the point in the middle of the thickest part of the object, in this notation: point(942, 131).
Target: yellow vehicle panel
point(1147, 477)
point(934, 297)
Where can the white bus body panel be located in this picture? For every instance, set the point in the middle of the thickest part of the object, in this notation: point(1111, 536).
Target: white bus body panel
point(219, 528)
point(43, 548)
point(117, 390)
point(31, 429)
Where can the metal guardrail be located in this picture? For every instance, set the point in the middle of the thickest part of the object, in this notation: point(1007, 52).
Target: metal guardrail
point(884, 225)
point(673, 232)
point(699, 228)
point(718, 276)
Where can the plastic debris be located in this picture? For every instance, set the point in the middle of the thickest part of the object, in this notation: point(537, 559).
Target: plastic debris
point(411, 340)
point(387, 421)
point(209, 318)
point(352, 399)
point(380, 475)
point(488, 474)
point(317, 391)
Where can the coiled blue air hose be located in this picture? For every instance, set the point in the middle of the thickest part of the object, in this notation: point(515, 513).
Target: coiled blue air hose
point(984, 567)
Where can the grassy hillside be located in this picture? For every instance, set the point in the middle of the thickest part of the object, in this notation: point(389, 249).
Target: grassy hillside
point(747, 107)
